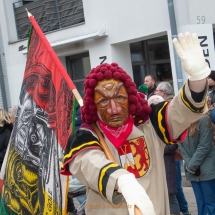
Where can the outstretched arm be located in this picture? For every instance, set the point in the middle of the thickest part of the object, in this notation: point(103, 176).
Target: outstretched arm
point(192, 60)
point(197, 86)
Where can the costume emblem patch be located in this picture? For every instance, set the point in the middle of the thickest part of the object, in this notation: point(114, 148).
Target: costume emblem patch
point(134, 156)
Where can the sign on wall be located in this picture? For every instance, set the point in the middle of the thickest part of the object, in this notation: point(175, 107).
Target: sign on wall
point(206, 39)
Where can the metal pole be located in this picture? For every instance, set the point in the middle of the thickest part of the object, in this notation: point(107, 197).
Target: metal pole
point(58, 14)
point(174, 33)
point(2, 85)
point(14, 11)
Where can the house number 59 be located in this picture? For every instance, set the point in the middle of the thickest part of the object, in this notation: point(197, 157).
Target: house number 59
point(200, 19)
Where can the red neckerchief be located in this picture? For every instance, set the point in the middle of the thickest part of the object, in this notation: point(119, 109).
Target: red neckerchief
point(117, 136)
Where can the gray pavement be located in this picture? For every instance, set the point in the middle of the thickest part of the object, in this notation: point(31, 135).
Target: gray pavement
point(188, 192)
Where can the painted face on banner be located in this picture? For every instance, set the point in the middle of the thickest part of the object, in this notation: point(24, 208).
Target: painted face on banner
point(111, 99)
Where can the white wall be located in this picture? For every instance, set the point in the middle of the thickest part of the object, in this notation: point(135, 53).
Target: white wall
point(127, 21)
point(121, 55)
point(15, 62)
point(181, 12)
point(201, 8)
point(188, 12)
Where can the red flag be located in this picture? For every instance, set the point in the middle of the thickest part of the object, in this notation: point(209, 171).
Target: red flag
point(32, 183)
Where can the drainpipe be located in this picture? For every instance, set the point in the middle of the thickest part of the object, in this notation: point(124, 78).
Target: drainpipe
point(174, 33)
point(2, 85)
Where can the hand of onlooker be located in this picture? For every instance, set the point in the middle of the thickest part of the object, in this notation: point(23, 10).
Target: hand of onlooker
point(135, 195)
point(191, 55)
point(197, 172)
point(211, 107)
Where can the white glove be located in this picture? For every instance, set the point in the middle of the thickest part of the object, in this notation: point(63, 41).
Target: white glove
point(135, 194)
point(191, 55)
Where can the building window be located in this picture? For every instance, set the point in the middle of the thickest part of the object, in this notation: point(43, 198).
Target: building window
point(78, 67)
point(27, 1)
point(151, 57)
point(50, 15)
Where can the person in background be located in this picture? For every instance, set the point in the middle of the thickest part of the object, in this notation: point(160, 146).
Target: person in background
point(173, 171)
point(169, 161)
point(150, 82)
point(198, 153)
point(211, 88)
point(5, 132)
point(70, 206)
point(180, 193)
point(212, 116)
point(82, 197)
point(12, 113)
point(155, 99)
point(78, 120)
point(143, 89)
point(165, 90)
point(211, 99)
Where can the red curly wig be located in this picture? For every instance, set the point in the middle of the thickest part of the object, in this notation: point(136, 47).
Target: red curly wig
point(137, 104)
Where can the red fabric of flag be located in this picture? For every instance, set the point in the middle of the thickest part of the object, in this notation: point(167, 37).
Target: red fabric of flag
point(32, 183)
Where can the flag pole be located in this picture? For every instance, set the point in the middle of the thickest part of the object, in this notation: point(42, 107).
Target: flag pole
point(29, 14)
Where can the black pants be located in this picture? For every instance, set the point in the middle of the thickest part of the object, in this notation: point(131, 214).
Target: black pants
point(70, 205)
